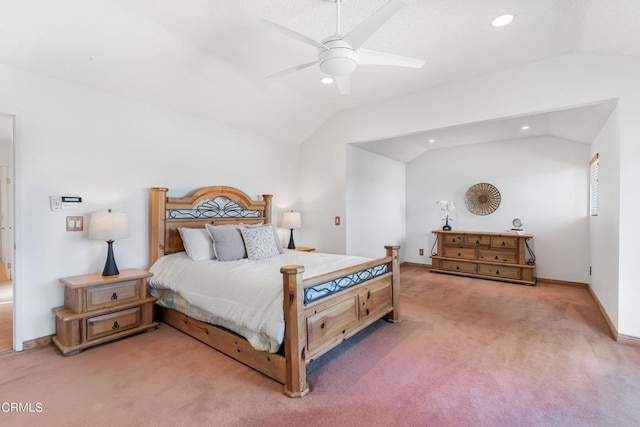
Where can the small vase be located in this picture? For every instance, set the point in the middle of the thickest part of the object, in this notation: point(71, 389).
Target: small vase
point(446, 226)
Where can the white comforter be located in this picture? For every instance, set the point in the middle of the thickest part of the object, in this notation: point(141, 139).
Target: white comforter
point(244, 293)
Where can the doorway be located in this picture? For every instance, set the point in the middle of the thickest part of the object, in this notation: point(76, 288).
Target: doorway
point(6, 233)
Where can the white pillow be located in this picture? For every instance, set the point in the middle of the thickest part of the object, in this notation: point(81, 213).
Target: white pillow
point(260, 242)
point(197, 243)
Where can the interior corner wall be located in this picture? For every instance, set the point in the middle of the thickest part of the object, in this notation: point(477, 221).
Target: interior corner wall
point(110, 151)
point(542, 180)
point(563, 81)
point(604, 229)
point(375, 203)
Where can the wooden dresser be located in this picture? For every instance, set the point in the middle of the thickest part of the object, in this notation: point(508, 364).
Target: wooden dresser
point(99, 309)
point(496, 256)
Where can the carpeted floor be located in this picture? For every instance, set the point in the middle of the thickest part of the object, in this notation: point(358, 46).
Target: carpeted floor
point(468, 353)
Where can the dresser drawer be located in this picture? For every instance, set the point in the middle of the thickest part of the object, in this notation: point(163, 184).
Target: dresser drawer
point(459, 266)
point(112, 295)
point(504, 242)
point(453, 238)
point(477, 239)
point(499, 271)
point(112, 323)
point(496, 255)
point(453, 252)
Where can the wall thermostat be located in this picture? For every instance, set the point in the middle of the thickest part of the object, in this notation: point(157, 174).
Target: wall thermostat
point(65, 202)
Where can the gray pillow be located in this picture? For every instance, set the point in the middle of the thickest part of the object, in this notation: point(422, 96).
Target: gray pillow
point(227, 242)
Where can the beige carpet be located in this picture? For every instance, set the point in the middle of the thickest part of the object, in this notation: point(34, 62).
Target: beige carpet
point(468, 353)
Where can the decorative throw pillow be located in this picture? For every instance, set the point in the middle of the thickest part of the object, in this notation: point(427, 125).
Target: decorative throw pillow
point(276, 236)
point(227, 242)
point(260, 242)
point(197, 243)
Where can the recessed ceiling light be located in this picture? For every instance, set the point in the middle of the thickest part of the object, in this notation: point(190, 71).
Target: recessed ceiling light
point(525, 127)
point(431, 141)
point(327, 80)
point(502, 20)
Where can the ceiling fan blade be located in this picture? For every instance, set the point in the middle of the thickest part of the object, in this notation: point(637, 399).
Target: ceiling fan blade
point(374, 57)
point(344, 84)
point(362, 32)
point(293, 34)
point(290, 70)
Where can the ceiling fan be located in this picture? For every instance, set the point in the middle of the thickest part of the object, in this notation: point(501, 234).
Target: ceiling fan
point(339, 55)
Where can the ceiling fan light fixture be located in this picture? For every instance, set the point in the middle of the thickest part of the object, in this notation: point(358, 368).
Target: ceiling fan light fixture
point(339, 59)
point(327, 80)
point(502, 20)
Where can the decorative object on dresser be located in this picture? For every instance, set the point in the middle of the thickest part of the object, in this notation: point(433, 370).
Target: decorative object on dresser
point(445, 208)
point(109, 226)
point(291, 220)
point(98, 309)
point(482, 199)
point(498, 256)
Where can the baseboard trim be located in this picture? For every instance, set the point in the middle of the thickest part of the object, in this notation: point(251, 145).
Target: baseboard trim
point(562, 282)
point(37, 342)
point(607, 319)
point(415, 264)
point(628, 339)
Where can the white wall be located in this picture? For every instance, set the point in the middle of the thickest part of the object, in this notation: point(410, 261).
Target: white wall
point(110, 150)
point(542, 180)
point(604, 229)
point(375, 203)
point(557, 82)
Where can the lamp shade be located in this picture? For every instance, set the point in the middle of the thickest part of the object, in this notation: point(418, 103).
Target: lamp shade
point(108, 225)
point(291, 220)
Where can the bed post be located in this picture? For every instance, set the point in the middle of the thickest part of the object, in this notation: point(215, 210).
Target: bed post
point(295, 332)
point(267, 198)
point(157, 212)
point(394, 253)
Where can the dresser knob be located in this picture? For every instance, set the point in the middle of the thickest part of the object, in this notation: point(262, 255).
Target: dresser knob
point(114, 296)
point(496, 257)
point(503, 243)
point(457, 267)
point(115, 325)
point(497, 271)
point(459, 254)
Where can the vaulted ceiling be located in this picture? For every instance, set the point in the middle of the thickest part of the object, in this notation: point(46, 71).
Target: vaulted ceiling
point(209, 58)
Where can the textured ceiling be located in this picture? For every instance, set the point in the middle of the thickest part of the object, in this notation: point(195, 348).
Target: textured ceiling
point(208, 58)
point(581, 124)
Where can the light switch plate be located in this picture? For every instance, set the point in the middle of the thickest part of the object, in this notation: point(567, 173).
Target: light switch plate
point(75, 223)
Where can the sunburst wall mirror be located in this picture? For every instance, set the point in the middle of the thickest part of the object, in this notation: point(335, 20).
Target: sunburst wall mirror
point(482, 199)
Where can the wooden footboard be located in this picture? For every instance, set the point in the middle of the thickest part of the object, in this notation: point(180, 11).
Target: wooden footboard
point(315, 328)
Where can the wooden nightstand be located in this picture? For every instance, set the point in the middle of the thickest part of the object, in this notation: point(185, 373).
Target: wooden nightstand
point(305, 249)
point(100, 309)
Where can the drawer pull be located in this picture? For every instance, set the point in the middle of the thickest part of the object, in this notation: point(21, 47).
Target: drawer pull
point(496, 257)
point(114, 296)
point(459, 254)
point(503, 243)
point(457, 267)
point(477, 242)
point(497, 271)
point(115, 325)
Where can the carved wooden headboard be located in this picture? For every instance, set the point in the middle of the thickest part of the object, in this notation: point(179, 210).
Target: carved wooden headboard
point(208, 205)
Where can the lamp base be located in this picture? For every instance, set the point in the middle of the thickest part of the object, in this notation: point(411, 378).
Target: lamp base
point(110, 267)
point(291, 244)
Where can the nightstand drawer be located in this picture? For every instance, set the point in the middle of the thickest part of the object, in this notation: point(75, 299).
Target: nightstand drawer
point(112, 323)
point(112, 294)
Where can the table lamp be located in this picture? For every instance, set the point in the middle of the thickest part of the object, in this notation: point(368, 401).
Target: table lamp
point(109, 226)
point(291, 220)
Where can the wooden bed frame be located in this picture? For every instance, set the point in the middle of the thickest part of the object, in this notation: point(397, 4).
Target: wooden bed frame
point(310, 330)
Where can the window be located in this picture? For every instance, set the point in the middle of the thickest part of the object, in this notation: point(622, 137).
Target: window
point(594, 177)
